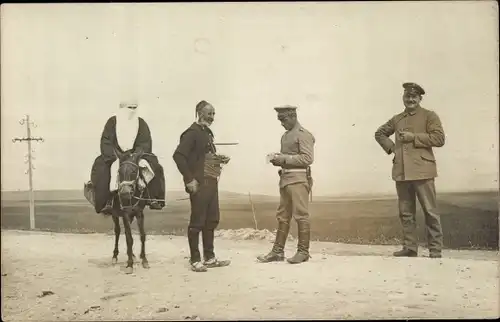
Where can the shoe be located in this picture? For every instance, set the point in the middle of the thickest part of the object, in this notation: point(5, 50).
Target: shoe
point(272, 256)
point(155, 205)
point(108, 208)
point(299, 257)
point(435, 255)
point(198, 267)
point(214, 262)
point(405, 253)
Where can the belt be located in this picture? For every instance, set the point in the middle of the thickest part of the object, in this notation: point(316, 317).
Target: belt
point(293, 170)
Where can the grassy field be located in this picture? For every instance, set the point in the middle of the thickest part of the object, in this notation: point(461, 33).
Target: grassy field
point(470, 220)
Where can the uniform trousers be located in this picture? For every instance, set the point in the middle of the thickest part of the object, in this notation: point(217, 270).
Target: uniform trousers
point(294, 202)
point(425, 191)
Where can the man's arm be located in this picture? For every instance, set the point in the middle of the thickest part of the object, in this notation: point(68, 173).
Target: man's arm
point(181, 154)
point(144, 141)
point(435, 134)
point(107, 146)
point(382, 136)
point(306, 152)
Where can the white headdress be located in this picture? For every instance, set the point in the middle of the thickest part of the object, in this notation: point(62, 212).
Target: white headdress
point(127, 124)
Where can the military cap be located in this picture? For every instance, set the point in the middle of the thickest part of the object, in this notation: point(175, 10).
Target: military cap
point(285, 108)
point(413, 88)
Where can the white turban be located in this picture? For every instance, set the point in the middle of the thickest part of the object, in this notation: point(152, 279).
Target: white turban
point(129, 102)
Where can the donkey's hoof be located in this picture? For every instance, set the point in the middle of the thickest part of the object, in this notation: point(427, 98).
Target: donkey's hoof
point(129, 270)
point(145, 264)
point(114, 260)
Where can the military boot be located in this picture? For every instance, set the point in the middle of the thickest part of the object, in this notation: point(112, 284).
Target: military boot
point(277, 254)
point(405, 252)
point(302, 254)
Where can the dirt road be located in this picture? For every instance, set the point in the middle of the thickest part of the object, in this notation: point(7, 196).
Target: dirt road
point(340, 281)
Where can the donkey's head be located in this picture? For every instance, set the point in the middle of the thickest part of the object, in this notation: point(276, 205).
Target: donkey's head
point(128, 177)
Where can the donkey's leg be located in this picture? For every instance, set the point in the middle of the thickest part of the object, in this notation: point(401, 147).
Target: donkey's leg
point(130, 243)
point(116, 221)
point(131, 222)
point(140, 223)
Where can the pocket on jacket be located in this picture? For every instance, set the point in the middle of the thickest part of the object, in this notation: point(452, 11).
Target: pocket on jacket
point(428, 158)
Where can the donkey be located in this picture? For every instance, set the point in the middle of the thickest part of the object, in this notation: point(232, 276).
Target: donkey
point(129, 204)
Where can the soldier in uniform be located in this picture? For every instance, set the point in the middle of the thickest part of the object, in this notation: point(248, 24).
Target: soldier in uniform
point(417, 130)
point(199, 164)
point(295, 159)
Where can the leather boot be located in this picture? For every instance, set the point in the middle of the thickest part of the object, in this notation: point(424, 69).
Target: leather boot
point(278, 252)
point(405, 252)
point(302, 254)
point(435, 254)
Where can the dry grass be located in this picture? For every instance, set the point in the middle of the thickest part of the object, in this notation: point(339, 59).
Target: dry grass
point(470, 221)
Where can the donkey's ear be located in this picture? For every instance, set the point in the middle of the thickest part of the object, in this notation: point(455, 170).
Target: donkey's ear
point(118, 154)
point(138, 155)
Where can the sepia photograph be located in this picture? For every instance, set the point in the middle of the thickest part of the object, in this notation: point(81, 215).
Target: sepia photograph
point(250, 161)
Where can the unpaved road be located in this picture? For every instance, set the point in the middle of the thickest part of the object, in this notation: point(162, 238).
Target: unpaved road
point(340, 281)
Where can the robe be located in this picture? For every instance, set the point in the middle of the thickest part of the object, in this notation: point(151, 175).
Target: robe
point(101, 170)
point(126, 132)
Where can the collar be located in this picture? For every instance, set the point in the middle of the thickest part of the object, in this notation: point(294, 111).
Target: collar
point(297, 126)
point(203, 127)
point(202, 124)
point(412, 112)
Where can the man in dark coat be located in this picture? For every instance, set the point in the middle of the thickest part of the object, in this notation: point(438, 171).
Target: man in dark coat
point(200, 166)
point(125, 132)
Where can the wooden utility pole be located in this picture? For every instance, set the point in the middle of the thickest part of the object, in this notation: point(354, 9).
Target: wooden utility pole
point(28, 139)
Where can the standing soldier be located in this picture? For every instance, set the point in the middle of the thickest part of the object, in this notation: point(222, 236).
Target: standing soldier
point(199, 165)
point(417, 130)
point(295, 159)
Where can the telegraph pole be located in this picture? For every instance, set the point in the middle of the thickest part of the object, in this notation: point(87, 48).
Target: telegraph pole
point(30, 157)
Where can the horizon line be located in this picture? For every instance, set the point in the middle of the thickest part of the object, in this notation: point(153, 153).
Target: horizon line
point(344, 195)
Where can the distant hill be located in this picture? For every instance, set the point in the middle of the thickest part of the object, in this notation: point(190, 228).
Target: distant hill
point(66, 195)
point(472, 197)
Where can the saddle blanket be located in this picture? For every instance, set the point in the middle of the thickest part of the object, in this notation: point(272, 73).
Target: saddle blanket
point(146, 171)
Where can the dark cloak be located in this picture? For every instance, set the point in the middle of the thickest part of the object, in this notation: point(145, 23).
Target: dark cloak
point(101, 169)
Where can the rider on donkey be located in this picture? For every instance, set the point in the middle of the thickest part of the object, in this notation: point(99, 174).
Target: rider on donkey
point(127, 133)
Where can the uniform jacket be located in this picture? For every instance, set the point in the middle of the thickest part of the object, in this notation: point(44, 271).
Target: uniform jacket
point(413, 160)
point(298, 144)
point(189, 155)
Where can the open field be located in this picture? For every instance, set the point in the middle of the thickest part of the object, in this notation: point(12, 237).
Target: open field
point(470, 220)
point(340, 282)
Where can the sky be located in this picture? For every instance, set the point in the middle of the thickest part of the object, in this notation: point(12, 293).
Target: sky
point(343, 64)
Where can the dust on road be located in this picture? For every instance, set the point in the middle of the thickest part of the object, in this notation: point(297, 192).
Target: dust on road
point(340, 281)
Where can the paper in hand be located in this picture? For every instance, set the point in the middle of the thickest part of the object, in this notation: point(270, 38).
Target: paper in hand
point(270, 156)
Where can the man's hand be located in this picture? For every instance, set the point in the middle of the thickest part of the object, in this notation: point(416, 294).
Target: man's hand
point(406, 136)
point(224, 159)
point(192, 187)
point(278, 160)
